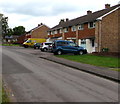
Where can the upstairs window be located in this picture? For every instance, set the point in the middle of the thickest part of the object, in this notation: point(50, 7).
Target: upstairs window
point(55, 32)
point(61, 31)
point(65, 29)
point(73, 28)
point(81, 27)
point(91, 25)
point(52, 32)
point(49, 33)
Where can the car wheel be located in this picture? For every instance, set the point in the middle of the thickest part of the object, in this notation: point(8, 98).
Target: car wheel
point(34, 47)
point(59, 52)
point(81, 53)
point(25, 46)
point(45, 49)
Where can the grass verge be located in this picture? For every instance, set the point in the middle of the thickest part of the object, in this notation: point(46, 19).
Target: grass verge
point(4, 96)
point(103, 61)
point(9, 45)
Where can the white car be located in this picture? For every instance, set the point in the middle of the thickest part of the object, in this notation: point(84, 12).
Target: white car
point(44, 46)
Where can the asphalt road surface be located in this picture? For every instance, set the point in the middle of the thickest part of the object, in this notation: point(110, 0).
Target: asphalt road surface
point(32, 79)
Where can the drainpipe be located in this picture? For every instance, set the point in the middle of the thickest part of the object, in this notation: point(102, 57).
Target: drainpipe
point(100, 36)
point(77, 35)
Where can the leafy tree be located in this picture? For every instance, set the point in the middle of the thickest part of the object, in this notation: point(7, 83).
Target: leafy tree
point(4, 26)
point(18, 30)
point(9, 32)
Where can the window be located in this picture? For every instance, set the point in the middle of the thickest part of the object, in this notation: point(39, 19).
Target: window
point(81, 27)
point(55, 32)
point(91, 25)
point(66, 30)
point(52, 32)
point(73, 28)
point(83, 41)
point(60, 30)
point(62, 43)
point(72, 44)
point(28, 41)
point(49, 33)
point(48, 43)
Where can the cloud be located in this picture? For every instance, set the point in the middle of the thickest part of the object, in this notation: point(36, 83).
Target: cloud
point(29, 13)
point(37, 7)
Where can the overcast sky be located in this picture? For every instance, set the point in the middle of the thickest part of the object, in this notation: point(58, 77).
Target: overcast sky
point(30, 13)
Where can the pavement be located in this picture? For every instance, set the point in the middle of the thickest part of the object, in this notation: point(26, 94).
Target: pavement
point(98, 71)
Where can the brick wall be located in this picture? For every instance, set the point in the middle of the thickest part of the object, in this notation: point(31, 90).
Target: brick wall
point(109, 31)
point(86, 32)
point(40, 32)
point(69, 33)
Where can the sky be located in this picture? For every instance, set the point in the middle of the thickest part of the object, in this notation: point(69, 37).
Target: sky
point(30, 13)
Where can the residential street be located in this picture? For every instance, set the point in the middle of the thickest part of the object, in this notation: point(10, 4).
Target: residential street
point(32, 79)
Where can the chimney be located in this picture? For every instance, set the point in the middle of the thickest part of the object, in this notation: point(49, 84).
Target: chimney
point(40, 24)
point(61, 21)
point(107, 6)
point(67, 19)
point(89, 12)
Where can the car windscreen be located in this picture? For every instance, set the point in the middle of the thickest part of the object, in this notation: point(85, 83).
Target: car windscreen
point(62, 43)
point(72, 44)
point(48, 43)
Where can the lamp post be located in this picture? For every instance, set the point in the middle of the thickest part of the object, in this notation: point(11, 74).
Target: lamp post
point(1, 16)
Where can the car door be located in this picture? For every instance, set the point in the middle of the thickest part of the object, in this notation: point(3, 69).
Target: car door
point(64, 46)
point(72, 47)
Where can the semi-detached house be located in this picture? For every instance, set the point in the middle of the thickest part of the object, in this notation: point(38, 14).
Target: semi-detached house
point(94, 31)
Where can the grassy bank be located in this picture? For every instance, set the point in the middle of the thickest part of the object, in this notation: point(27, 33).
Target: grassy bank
point(93, 60)
point(9, 45)
point(4, 96)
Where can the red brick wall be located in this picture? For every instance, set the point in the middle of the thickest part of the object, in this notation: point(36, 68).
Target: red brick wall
point(21, 39)
point(40, 32)
point(86, 32)
point(58, 35)
point(110, 31)
point(49, 36)
point(70, 33)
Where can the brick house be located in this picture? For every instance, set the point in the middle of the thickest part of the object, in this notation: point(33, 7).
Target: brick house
point(40, 31)
point(89, 30)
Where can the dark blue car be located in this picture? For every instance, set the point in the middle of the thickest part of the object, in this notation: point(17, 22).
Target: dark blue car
point(62, 46)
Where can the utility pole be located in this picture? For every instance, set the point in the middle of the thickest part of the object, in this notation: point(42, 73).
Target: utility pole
point(1, 16)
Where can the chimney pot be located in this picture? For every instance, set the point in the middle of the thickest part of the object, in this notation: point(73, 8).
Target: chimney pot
point(89, 12)
point(107, 6)
point(61, 21)
point(67, 19)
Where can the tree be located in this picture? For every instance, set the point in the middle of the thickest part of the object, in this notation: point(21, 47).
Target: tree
point(18, 30)
point(9, 32)
point(4, 25)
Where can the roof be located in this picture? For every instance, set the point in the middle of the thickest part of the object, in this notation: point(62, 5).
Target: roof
point(86, 18)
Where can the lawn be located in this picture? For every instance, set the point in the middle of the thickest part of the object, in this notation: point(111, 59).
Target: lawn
point(4, 96)
point(9, 45)
point(104, 61)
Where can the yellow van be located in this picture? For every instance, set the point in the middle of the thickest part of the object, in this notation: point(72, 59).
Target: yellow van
point(32, 41)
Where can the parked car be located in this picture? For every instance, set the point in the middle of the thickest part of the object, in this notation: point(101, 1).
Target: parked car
point(50, 48)
point(44, 46)
point(37, 45)
point(31, 41)
point(62, 46)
